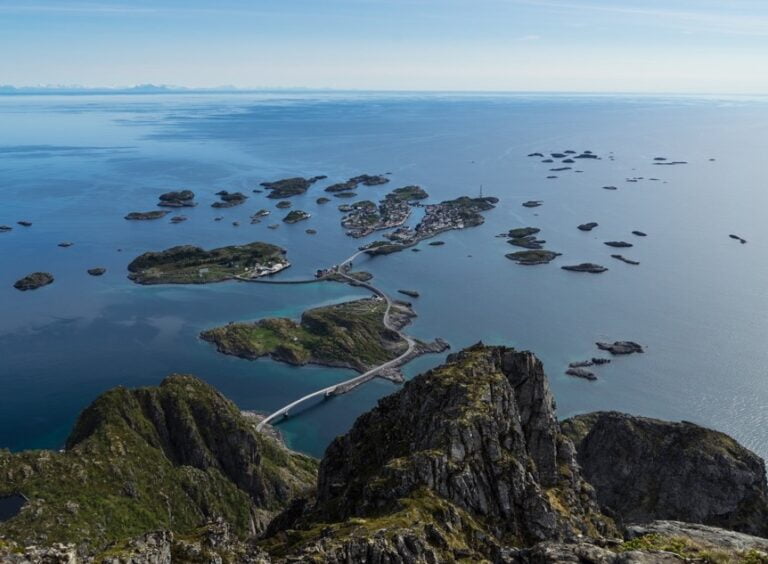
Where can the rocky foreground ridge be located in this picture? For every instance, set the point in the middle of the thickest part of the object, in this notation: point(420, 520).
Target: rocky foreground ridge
point(466, 463)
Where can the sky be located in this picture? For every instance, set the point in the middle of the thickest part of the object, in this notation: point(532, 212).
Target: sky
point(693, 46)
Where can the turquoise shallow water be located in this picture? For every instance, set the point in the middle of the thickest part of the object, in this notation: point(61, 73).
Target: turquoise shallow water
point(75, 165)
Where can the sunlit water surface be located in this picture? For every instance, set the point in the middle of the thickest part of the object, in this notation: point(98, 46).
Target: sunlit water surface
point(74, 166)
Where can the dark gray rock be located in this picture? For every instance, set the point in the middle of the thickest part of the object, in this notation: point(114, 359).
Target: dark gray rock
point(620, 347)
point(144, 216)
point(622, 258)
point(589, 267)
point(34, 281)
point(481, 433)
point(645, 469)
point(177, 199)
point(581, 373)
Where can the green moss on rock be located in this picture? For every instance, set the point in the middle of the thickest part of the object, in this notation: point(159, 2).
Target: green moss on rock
point(171, 457)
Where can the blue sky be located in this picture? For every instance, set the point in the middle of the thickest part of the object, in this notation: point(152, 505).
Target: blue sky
point(552, 45)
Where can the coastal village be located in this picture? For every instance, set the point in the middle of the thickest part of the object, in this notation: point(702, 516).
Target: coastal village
point(452, 214)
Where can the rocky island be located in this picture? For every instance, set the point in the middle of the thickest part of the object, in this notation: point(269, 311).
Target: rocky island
point(34, 281)
point(295, 216)
point(288, 187)
point(622, 258)
point(229, 199)
point(533, 257)
point(178, 199)
point(352, 183)
point(143, 216)
point(620, 347)
point(590, 267)
point(187, 264)
point(348, 335)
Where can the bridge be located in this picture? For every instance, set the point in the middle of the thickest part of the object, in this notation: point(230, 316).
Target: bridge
point(347, 385)
point(301, 281)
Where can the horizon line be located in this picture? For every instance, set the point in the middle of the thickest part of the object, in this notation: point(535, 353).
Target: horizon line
point(148, 89)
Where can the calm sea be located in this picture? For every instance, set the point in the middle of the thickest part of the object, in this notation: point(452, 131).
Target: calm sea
point(75, 165)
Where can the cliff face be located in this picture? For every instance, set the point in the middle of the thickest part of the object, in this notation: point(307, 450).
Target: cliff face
point(645, 469)
point(171, 457)
point(467, 463)
point(463, 460)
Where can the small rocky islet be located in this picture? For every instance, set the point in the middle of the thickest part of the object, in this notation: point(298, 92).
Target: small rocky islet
point(353, 183)
point(409, 293)
point(177, 199)
point(533, 257)
point(622, 258)
point(229, 199)
point(294, 216)
point(145, 216)
point(288, 187)
point(620, 347)
point(588, 267)
point(738, 238)
point(525, 237)
point(34, 281)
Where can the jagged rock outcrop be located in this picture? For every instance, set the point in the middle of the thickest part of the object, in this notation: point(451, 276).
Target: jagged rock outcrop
point(472, 448)
point(467, 463)
point(645, 469)
point(172, 457)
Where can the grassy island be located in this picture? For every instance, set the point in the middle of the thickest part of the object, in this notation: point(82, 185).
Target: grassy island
point(350, 335)
point(187, 264)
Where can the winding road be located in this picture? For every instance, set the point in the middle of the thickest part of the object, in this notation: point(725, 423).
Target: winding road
point(346, 385)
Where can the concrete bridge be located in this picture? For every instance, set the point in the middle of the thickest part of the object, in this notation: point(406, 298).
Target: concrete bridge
point(345, 386)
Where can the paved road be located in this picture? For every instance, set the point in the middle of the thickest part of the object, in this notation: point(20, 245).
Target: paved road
point(304, 281)
point(352, 382)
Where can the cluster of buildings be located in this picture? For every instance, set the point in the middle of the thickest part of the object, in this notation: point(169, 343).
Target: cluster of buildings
point(259, 270)
point(366, 217)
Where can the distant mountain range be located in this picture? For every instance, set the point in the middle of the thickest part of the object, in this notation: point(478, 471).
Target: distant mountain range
point(138, 89)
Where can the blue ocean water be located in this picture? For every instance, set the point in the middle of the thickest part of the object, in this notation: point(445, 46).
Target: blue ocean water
point(75, 165)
